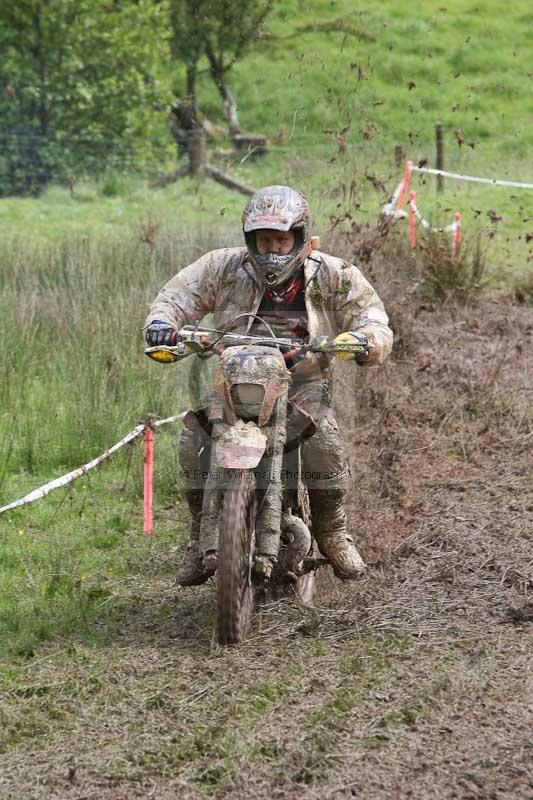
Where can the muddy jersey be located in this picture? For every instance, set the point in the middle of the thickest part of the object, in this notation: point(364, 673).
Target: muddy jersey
point(222, 282)
point(283, 308)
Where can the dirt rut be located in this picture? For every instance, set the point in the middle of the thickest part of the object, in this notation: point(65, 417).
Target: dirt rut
point(415, 682)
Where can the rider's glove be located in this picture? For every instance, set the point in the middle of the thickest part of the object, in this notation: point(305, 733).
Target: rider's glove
point(351, 346)
point(159, 332)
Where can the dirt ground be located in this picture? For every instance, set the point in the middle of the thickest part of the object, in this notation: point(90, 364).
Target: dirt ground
point(414, 683)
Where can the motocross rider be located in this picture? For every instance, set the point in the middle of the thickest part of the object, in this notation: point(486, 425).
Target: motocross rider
point(302, 293)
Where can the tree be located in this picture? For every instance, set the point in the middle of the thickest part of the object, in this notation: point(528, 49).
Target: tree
point(76, 85)
point(221, 31)
point(188, 25)
point(238, 23)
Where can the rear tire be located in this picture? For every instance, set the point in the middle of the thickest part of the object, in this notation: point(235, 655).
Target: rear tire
point(235, 590)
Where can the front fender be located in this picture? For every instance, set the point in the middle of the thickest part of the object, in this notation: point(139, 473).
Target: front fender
point(241, 446)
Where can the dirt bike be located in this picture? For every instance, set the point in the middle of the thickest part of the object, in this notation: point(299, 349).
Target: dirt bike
point(255, 526)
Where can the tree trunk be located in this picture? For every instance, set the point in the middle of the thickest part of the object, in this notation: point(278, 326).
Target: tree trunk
point(197, 160)
point(190, 109)
point(230, 112)
point(195, 133)
point(229, 107)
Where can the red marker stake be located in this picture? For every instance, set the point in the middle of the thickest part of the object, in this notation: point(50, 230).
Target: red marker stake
point(412, 219)
point(148, 478)
point(406, 179)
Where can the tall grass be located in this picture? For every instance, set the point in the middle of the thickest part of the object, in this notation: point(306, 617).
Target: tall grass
point(445, 278)
point(66, 562)
point(74, 380)
point(74, 375)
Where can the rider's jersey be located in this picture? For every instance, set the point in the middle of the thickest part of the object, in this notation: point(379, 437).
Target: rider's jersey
point(283, 308)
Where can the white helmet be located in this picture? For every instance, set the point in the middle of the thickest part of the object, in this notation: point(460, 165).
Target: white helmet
point(277, 208)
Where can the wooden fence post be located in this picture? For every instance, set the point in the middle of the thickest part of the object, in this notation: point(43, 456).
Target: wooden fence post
point(439, 146)
point(399, 155)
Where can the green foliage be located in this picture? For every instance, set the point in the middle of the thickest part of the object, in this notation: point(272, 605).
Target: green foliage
point(188, 30)
point(219, 30)
point(226, 27)
point(114, 184)
point(77, 86)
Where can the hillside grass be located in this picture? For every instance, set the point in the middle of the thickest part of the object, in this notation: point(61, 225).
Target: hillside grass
point(468, 62)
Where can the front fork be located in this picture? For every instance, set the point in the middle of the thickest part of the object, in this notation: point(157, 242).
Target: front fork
point(269, 490)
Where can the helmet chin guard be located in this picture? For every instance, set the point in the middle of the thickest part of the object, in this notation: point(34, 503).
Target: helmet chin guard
point(278, 208)
point(275, 269)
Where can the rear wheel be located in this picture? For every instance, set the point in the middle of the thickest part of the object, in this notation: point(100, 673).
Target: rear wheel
point(235, 591)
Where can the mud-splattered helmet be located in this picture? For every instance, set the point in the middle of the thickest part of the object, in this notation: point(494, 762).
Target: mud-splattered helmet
point(277, 208)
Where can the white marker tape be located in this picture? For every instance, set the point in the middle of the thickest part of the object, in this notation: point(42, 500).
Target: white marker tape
point(389, 209)
point(424, 222)
point(64, 480)
point(493, 181)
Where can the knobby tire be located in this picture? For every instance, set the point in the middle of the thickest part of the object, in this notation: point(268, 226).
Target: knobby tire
point(235, 592)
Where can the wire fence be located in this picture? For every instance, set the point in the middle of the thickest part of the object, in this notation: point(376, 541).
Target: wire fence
point(93, 155)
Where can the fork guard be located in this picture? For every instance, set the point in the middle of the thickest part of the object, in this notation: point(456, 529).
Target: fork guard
point(241, 446)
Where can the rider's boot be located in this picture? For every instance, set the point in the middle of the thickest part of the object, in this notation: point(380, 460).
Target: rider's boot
point(191, 571)
point(329, 530)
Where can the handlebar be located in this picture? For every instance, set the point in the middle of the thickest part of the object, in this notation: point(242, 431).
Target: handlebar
point(203, 336)
point(197, 340)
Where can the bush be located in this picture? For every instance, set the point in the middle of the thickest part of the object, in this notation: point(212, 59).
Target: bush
point(113, 184)
point(445, 278)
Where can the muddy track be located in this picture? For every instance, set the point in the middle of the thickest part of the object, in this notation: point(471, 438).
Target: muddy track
point(413, 683)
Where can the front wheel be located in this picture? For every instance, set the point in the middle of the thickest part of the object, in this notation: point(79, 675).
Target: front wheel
point(235, 591)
